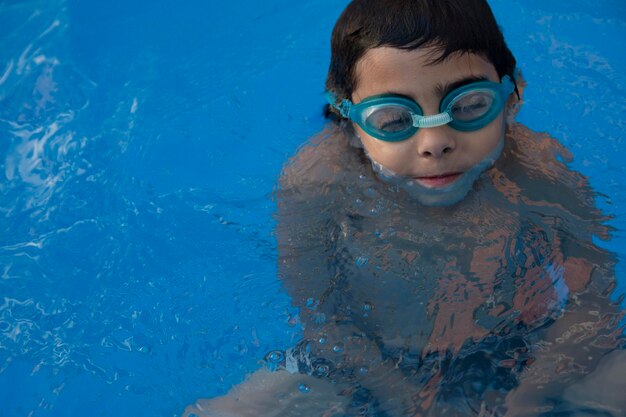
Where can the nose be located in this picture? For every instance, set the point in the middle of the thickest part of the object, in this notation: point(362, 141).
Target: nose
point(435, 142)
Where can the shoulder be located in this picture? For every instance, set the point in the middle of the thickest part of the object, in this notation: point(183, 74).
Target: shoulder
point(321, 159)
point(538, 152)
point(538, 167)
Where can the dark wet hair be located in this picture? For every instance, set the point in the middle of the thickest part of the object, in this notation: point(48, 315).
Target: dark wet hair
point(450, 26)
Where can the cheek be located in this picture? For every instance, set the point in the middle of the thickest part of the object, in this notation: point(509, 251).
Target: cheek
point(488, 138)
point(498, 132)
point(392, 155)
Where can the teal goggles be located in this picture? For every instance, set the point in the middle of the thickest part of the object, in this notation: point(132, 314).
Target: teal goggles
point(394, 118)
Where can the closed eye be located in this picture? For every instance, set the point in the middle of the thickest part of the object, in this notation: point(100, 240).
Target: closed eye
point(394, 124)
point(469, 108)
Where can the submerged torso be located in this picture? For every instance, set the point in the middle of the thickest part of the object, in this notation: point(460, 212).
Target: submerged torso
point(480, 278)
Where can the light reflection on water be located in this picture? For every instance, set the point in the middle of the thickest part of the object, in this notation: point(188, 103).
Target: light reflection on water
point(137, 255)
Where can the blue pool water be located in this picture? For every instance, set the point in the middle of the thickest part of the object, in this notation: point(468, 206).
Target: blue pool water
point(139, 146)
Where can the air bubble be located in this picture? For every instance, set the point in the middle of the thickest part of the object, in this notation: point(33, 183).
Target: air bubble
point(304, 388)
point(274, 359)
point(361, 261)
point(338, 348)
point(322, 370)
point(363, 370)
point(275, 356)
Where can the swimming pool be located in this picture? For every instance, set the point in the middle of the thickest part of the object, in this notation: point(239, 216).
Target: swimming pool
point(140, 147)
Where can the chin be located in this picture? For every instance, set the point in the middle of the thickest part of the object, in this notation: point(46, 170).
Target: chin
point(437, 197)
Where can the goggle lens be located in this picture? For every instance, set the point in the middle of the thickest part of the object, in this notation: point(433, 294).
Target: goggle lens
point(389, 119)
point(471, 106)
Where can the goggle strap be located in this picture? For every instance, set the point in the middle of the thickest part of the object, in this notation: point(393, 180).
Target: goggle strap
point(343, 108)
point(508, 86)
point(431, 121)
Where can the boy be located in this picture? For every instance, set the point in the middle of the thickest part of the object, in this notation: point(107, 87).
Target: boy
point(440, 254)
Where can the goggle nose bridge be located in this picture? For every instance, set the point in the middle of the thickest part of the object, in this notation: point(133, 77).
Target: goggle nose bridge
point(431, 121)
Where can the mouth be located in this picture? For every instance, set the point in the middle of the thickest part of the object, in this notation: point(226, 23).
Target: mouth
point(438, 181)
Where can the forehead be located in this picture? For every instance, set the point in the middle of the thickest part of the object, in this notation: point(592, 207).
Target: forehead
point(412, 73)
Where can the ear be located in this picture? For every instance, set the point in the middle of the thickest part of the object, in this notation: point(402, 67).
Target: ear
point(515, 100)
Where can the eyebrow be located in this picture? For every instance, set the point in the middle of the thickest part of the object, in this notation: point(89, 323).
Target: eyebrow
point(444, 89)
point(440, 89)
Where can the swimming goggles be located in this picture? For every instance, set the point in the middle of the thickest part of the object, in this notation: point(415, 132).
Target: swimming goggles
point(393, 118)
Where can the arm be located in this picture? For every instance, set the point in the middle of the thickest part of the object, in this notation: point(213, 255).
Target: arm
point(574, 347)
point(316, 378)
point(309, 235)
point(281, 393)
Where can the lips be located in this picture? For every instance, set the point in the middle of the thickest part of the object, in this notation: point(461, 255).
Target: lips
point(438, 181)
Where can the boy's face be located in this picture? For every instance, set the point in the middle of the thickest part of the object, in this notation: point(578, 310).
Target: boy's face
point(433, 157)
